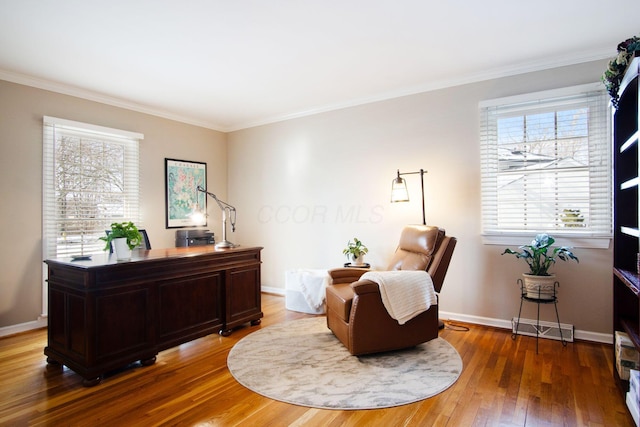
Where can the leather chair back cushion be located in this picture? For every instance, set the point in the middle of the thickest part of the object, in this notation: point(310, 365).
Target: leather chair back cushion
point(416, 247)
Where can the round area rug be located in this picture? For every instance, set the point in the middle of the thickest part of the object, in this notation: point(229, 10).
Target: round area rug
point(303, 363)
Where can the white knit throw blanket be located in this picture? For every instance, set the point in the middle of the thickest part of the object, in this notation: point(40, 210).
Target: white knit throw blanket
point(313, 285)
point(405, 294)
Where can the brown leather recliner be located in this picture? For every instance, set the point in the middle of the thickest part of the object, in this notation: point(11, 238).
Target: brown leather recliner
point(355, 312)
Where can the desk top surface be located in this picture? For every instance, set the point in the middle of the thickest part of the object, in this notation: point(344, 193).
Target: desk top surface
point(138, 255)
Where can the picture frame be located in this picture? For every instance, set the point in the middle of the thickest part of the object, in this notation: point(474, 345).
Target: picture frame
point(185, 205)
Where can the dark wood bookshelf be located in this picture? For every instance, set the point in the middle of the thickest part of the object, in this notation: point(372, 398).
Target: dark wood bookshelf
point(626, 224)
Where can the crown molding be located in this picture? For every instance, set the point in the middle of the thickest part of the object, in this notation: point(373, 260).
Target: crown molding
point(522, 68)
point(549, 63)
point(89, 95)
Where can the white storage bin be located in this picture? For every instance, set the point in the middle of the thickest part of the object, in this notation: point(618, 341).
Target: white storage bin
point(305, 290)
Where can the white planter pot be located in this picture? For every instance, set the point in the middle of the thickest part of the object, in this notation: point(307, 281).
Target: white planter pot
point(120, 248)
point(357, 261)
point(540, 287)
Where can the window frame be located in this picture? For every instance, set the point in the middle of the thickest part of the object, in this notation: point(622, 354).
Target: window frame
point(596, 237)
point(131, 164)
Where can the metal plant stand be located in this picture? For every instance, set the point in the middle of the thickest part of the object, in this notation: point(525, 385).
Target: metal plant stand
point(539, 300)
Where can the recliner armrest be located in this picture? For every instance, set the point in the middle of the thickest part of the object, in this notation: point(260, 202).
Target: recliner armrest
point(346, 275)
point(362, 287)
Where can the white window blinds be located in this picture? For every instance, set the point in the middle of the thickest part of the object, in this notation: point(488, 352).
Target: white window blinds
point(546, 164)
point(90, 179)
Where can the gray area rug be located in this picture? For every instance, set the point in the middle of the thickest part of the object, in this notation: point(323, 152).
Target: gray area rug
point(303, 363)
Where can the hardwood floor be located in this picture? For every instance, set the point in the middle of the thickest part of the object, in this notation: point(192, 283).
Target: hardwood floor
point(503, 383)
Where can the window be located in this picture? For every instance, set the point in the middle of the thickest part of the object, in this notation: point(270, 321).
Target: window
point(90, 179)
point(546, 165)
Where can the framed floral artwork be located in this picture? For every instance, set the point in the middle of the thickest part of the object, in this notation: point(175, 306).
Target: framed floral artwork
point(185, 205)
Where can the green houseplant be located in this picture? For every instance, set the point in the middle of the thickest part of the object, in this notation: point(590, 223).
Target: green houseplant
point(355, 251)
point(124, 235)
point(612, 77)
point(539, 256)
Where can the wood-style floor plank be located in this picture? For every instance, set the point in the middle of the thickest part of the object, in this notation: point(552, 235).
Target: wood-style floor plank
point(503, 383)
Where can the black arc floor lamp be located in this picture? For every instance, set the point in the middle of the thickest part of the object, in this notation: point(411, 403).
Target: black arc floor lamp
point(399, 191)
point(227, 211)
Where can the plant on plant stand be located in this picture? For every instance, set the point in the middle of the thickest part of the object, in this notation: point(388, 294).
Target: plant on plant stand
point(539, 283)
point(124, 236)
point(355, 251)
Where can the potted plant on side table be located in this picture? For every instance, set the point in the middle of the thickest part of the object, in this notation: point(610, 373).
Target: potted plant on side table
point(355, 251)
point(539, 283)
point(124, 236)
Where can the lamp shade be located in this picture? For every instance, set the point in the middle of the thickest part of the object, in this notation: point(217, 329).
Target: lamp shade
point(399, 191)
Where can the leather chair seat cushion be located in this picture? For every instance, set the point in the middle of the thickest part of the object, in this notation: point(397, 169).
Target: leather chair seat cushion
point(340, 299)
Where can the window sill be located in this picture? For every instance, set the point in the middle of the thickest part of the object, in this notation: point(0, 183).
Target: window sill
point(523, 238)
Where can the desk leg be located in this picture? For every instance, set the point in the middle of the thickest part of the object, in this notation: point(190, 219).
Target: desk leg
point(91, 382)
point(148, 362)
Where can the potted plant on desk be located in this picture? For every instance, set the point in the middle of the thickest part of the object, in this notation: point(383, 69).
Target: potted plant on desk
point(355, 251)
point(539, 283)
point(124, 236)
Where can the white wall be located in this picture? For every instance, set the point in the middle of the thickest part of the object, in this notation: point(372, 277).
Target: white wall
point(304, 187)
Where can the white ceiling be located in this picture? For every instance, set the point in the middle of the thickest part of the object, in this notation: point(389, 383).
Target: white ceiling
point(233, 64)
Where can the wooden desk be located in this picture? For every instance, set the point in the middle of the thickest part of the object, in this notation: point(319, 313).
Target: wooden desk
point(105, 314)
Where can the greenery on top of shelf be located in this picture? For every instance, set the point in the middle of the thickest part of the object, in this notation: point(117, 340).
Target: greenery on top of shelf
point(612, 77)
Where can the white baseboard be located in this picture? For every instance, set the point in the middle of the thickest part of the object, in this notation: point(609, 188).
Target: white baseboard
point(593, 336)
point(275, 291)
point(24, 327)
point(506, 324)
